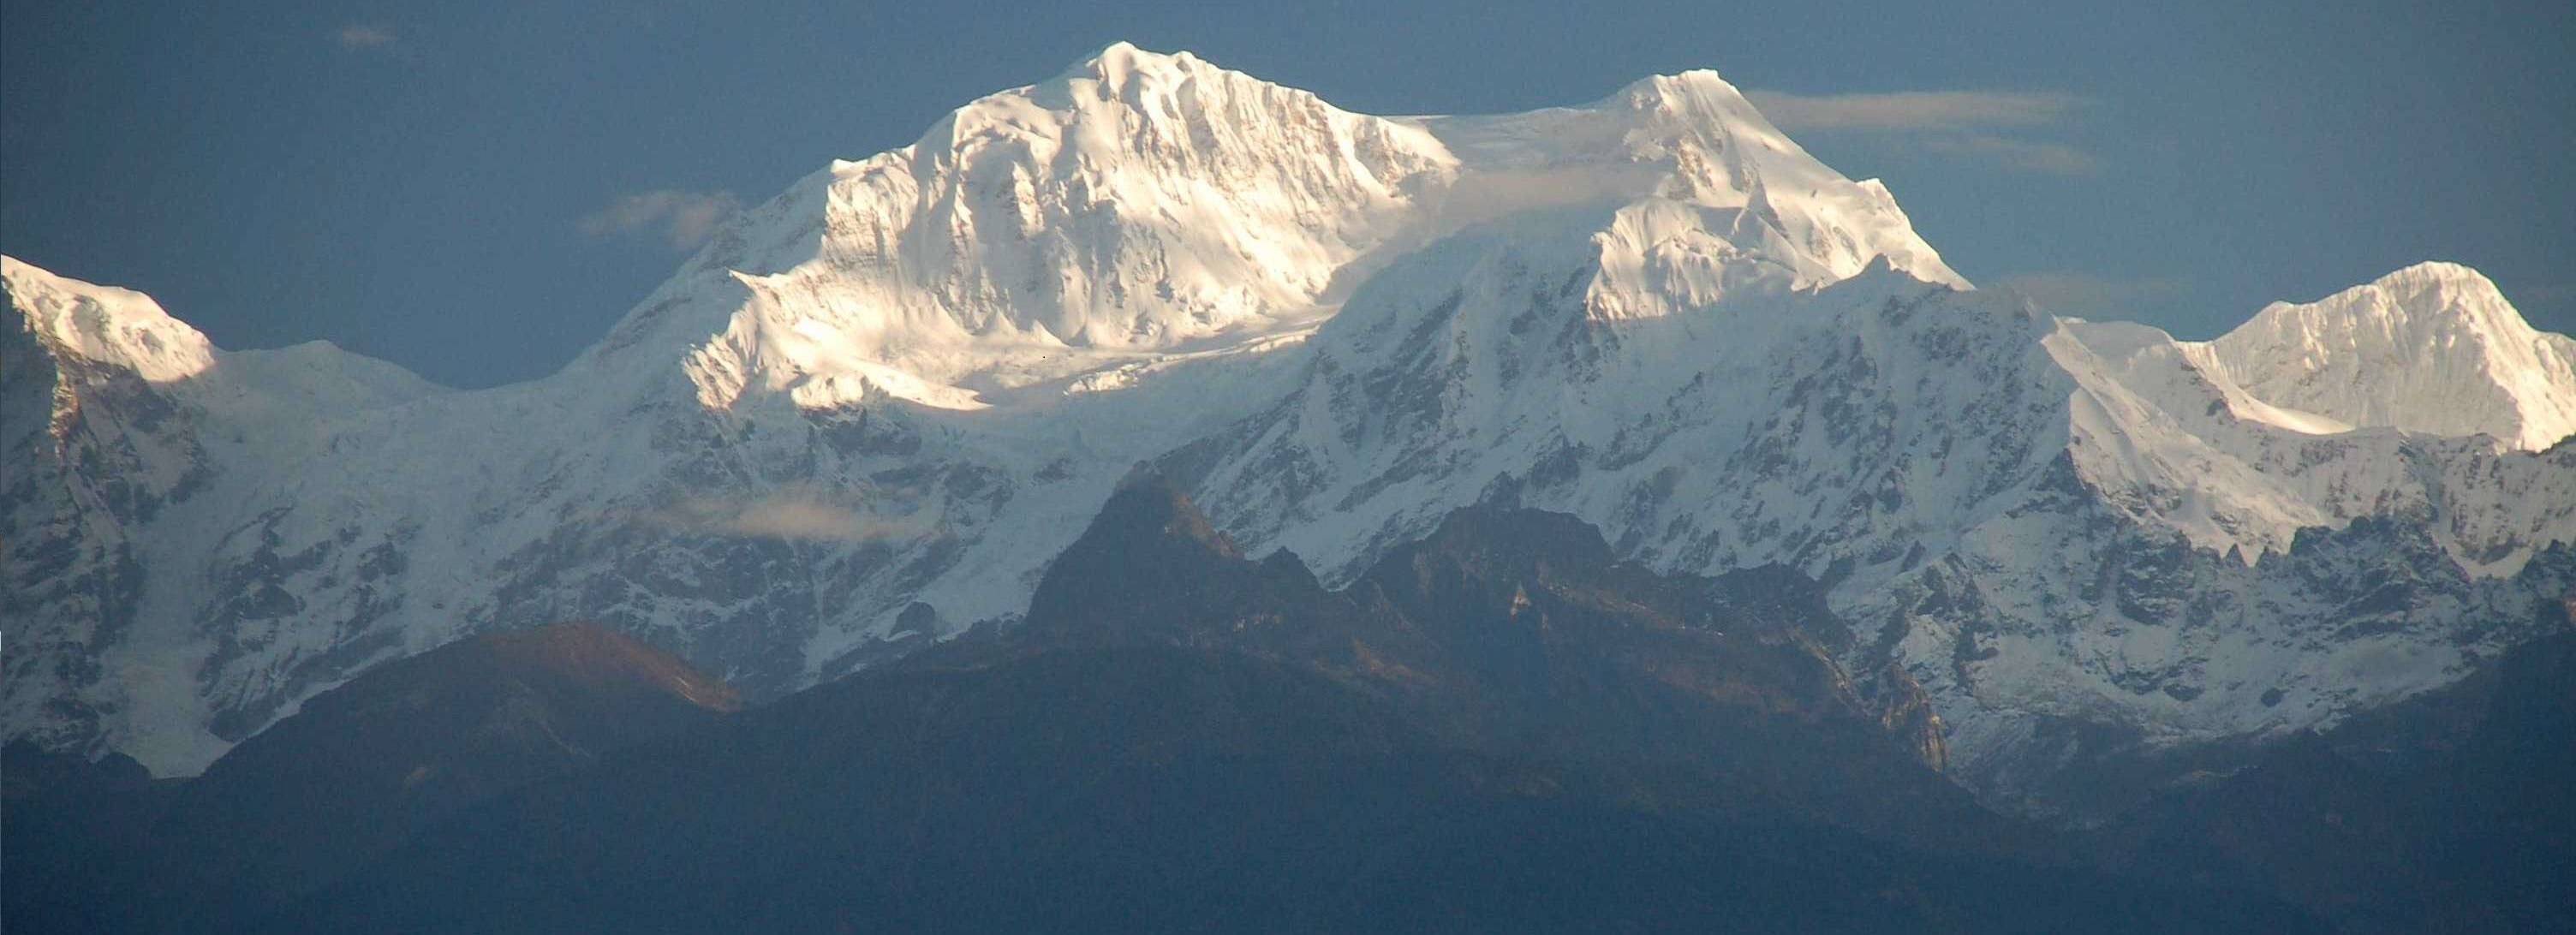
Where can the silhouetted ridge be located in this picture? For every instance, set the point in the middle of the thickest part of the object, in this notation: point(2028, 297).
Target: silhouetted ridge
point(1524, 538)
point(1518, 632)
point(597, 658)
point(1150, 564)
point(406, 744)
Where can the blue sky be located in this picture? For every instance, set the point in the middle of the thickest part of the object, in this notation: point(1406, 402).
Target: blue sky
point(479, 192)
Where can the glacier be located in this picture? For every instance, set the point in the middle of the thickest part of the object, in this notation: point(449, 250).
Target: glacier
point(867, 414)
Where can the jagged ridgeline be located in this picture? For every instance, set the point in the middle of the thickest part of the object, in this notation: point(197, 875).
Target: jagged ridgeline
point(869, 413)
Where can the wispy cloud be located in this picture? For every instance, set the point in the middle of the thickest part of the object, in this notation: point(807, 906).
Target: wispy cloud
point(796, 514)
point(2053, 158)
point(1484, 196)
point(1954, 123)
point(682, 219)
point(1913, 110)
point(2069, 292)
point(357, 36)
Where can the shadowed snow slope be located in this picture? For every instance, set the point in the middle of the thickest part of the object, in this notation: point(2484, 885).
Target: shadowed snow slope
point(870, 411)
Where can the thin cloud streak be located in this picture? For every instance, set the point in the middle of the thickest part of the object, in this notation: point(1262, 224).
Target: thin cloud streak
point(358, 36)
point(683, 219)
point(2052, 158)
point(1953, 123)
point(2086, 295)
point(1903, 111)
point(793, 514)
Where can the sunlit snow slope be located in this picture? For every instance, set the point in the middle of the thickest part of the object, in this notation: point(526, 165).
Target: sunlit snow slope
point(2430, 348)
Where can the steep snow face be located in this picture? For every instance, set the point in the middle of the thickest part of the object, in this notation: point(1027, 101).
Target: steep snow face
point(1709, 189)
point(2194, 449)
point(134, 448)
point(1776, 426)
point(111, 327)
point(2430, 348)
point(1135, 204)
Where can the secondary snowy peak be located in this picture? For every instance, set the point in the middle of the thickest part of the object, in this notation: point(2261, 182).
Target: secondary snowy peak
point(113, 332)
point(1708, 189)
point(106, 325)
point(2430, 348)
point(1141, 204)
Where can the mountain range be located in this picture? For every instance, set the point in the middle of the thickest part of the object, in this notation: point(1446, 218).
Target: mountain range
point(863, 422)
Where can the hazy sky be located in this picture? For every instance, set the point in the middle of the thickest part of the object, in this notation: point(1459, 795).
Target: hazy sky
point(479, 193)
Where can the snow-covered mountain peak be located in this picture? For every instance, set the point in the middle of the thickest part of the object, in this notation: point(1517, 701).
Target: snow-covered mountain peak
point(2428, 297)
point(1141, 204)
point(111, 333)
point(107, 325)
point(1711, 191)
point(1697, 105)
point(1135, 204)
point(2434, 347)
point(1121, 63)
point(2433, 276)
point(1687, 193)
